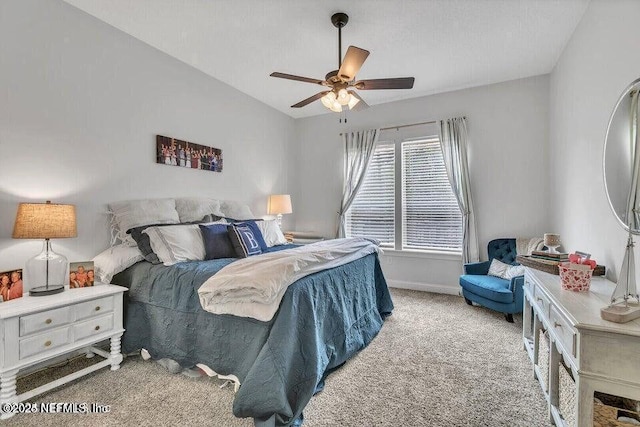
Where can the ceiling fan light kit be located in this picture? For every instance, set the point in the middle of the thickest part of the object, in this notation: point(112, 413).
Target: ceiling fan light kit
point(338, 98)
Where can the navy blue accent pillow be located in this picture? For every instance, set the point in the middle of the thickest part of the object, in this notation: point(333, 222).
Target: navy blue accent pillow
point(216, 241)
point(243, 240)
point(251, 223)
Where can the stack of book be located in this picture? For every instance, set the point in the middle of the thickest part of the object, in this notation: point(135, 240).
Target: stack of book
point(550, 257)
point(302, 237)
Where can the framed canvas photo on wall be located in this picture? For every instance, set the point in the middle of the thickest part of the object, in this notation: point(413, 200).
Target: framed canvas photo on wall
point(175, 152)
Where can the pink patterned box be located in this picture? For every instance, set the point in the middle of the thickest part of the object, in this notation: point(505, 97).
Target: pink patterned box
point(575, 277)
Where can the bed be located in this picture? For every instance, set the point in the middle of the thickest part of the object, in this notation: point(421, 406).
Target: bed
point(323, 320)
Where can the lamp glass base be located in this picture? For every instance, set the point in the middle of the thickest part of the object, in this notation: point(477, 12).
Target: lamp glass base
point(46, 268)
point(41, 291)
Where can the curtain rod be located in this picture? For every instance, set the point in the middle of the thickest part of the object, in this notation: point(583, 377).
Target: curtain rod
point(406, 126)
point(412, 124)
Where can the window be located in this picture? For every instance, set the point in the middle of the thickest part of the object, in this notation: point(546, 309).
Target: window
point(431, 218)
point(372, 213)
point(405, 200)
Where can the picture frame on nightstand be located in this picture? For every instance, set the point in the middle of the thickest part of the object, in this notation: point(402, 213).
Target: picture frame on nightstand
point(11, 285)
point(81, 274)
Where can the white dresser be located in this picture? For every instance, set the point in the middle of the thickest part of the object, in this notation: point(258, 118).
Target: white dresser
point(602, 356)
point(37, 329)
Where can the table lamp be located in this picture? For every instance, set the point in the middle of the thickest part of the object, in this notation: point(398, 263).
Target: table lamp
point(279, 204)
point(47, 270)
point(552, 242)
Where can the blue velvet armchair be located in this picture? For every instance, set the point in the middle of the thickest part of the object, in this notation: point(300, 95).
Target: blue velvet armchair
point(493, 292)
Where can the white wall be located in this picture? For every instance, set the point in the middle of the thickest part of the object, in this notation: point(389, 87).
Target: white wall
point(508, 131)
point(600, 60)
point(80, 105)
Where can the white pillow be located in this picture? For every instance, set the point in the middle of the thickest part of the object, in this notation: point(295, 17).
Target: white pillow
point(177, 243)
point(514, 271)
point(271, 233)
point(236, 210)
point(195, 208)
point(497, 268)
point(505, 271)
point(135, 213)
point(114, 260)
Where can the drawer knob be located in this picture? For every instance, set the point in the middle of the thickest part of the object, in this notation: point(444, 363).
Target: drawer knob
point(98, 308)
point(47, 344)
point(557, 325)
point(48, 321)
point(97, 328)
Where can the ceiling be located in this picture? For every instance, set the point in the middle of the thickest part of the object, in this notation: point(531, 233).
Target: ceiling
point(445, 44)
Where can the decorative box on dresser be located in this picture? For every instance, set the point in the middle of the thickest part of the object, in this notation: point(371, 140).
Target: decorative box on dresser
point(602, 356)
point(35, 330)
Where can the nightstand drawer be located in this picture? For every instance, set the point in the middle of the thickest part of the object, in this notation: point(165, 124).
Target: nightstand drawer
point(44, 342)
point(94, 308)
point(45, 320)
point(92, 327)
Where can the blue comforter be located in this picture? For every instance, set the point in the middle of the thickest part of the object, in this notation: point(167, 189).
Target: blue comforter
point(324, 319)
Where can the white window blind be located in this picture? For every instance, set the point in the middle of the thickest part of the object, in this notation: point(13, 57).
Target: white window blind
point(431, 218)
point(372, 213)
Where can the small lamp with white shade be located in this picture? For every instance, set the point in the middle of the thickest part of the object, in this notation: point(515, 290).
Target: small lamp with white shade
point(279, 204)
point(47, 270)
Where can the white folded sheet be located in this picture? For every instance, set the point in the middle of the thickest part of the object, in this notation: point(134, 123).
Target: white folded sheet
point(253, 287)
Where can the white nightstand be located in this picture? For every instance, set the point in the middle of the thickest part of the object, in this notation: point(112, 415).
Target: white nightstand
point(36, 329)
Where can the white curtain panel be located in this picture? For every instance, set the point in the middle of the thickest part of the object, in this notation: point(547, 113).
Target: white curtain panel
point(358, 146)
point(633, 210)
point(453, 141)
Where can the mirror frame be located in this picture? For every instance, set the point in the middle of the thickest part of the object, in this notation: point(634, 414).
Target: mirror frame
point(635, 84)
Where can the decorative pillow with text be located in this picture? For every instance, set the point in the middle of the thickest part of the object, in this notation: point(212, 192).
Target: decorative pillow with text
point(243, 240)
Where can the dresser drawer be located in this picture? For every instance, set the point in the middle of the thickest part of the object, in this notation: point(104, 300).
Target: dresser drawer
point(563, 331)
point(95, 326)
point(541, 300)
point(527, 284)
point(93, 308)
point(45, 320)
point(44, 342)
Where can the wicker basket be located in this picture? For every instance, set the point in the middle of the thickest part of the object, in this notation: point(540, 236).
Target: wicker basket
point(575, 277)
point(607, 416)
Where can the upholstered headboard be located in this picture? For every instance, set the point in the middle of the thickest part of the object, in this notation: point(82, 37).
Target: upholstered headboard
point(126, 215)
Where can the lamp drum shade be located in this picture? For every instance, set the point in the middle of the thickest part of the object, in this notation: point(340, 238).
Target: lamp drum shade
point(279, 204)
point(45, 221)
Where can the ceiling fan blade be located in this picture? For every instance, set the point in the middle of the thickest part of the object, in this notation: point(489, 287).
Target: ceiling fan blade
point(360, 105)
point(297, 78)
point(352, 62)
point(374, 84)
point(310, 99)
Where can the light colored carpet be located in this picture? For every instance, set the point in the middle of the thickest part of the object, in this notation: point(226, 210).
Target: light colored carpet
point(436, 362)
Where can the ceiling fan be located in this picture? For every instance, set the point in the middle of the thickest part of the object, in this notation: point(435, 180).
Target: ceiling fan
point(341, 82)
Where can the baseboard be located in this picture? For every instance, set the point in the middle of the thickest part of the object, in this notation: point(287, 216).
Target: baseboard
point(424, 287)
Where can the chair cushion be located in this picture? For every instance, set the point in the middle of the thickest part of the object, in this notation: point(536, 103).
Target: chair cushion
point(490, 287)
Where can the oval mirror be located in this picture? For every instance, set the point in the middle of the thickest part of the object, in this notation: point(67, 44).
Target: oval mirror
point(622, 160)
